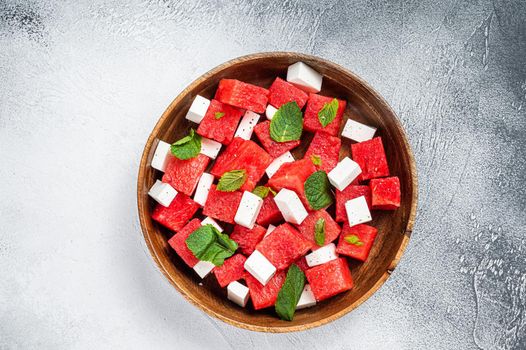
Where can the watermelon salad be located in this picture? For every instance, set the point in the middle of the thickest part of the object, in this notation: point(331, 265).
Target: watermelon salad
point(270, 226)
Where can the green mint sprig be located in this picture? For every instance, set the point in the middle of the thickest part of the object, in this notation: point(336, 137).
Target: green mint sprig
point(328, 112)
point(188, 147)
point(319, 232)
point(232, 180)
point(208, 244)
point(263, 191)
point(318, 190)
point(287, 123)
point(290, 293)
point(354, 240)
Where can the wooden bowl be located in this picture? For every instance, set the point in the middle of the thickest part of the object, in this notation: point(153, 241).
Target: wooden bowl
point(394, 227)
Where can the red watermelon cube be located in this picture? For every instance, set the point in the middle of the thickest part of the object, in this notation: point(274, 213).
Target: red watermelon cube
point(232, 270)
point(350, 192)
point(365, 233)
point(292, 176)
point(243, 154)
point(269, 213)
point(243, 95)
point(222, 205)
point(314, 106)
point(265, 295)
point(275, 149)
point(221, 129)
point(385, 193)
point(327, 280)
point(370, 156)
point(332, 229)
point(326, 147)
point(281, 92)
point(177, 214)
point(246, 238)
point(178, 242)
point(183, 175)
point(283, 246)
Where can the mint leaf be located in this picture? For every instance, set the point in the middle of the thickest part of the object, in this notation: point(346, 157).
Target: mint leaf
point(354, 240)
point(208, 244)
point(232, 180)
point(287, 123)
point(318, 190)
point(328, 112)
point(225, 240)
point(187, 147)
point(290, 293)
point(319, 232)
point(261, 191)
point(316, 160)
point(219, 115)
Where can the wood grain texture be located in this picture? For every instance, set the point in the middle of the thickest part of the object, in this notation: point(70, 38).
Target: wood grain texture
point(364, 104)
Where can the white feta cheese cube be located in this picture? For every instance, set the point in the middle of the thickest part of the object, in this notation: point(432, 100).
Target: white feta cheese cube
point(203, 187)
point(307, 298)
point(277, 162)
point(209, 221)
point(210, 148)
point(247, 124)
point(163, 193)
point(203, 268)
point(248, 210)
point(357, 211)
point(304, 77)
point(344, 173)
point(290, 206)
point(270, 228)
point(260, 267)
point(161, 156)
point(321, 255)
point(237, 293)
point(198, 109)
point(357, 131)
point(270, 111)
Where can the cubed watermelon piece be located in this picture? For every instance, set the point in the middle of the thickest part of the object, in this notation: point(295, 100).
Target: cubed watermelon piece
point(183, 175)
point(178, 242)
point(314, 105)
point(350, 192)
point(233, 269)
point(327, 280)
point(275, 149)
point(243, 154)
point(246, 238)
point(370, 156)
point(292, 176)
point(281, 92)
point(385, 193)
point(263, 296)
point(177, 214)
point(326, 147)
point(269, 213)
point(283, 246)
point(243, 95)
point(332, 229)
point(220, 129)
point(365, 233)
point(222, 205)
point(302, 264)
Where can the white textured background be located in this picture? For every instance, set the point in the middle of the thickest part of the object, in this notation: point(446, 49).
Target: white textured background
point(82, 84)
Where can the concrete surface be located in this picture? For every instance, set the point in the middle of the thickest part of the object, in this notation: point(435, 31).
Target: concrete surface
point(83, 83)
